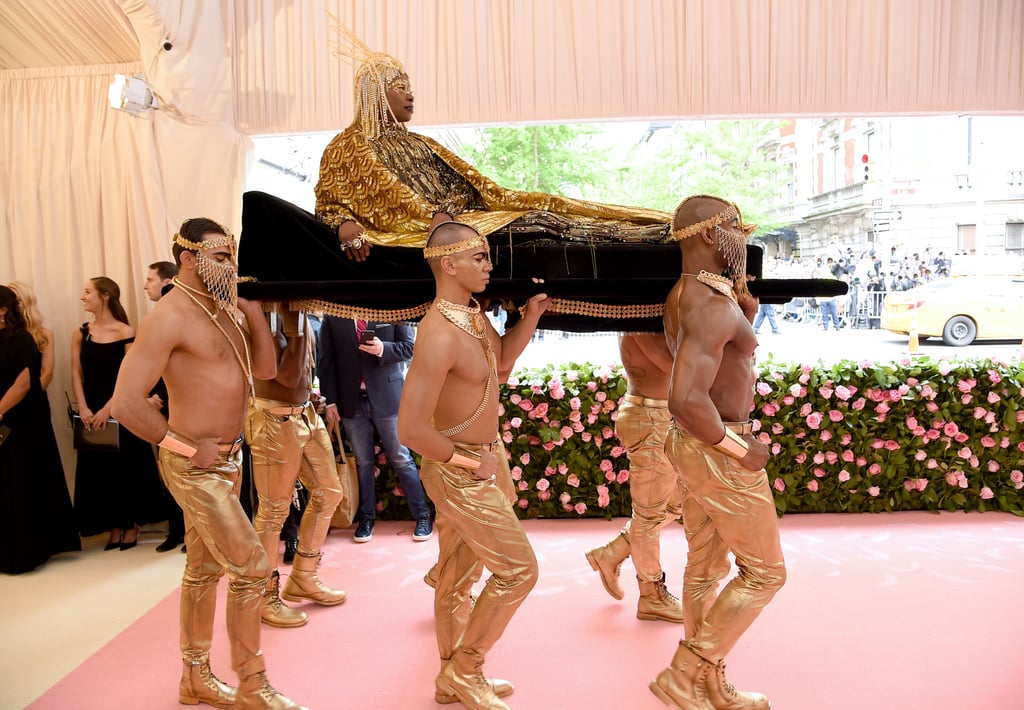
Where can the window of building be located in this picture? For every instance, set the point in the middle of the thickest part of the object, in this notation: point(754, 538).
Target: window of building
point(1015, 238)
point(965, 238)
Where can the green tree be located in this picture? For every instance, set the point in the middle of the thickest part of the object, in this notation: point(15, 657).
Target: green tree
point(732, 159)
point(558, 159)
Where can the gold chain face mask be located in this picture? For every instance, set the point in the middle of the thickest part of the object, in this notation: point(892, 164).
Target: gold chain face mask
point(221, 279)
point(733, 246)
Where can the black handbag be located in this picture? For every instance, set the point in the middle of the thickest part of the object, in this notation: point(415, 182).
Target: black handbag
point(106, 439)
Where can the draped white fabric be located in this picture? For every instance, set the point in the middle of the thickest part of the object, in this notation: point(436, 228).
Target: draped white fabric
point(86, 191)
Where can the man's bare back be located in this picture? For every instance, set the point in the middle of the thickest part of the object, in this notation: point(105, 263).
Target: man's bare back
point(648, 364)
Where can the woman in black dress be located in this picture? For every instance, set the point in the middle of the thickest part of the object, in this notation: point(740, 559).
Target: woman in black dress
point(117, 491)
point(36, 520)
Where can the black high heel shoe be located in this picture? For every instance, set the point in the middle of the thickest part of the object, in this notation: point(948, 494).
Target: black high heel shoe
point(125, 545)
point(114, 544)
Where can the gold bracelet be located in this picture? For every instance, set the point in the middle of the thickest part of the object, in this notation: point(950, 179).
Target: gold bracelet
point(464, 459)
point(172, 443)
point(733, 444)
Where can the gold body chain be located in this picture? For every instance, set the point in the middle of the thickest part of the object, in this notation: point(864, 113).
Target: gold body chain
point(720, 283)
point(245, 364)
point(470, 320)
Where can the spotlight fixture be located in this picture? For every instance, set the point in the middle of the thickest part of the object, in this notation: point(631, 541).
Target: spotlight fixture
point(130, 93)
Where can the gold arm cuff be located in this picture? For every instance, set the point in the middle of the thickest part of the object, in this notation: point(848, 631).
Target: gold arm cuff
point(171, 443)
point(464, 459)
point(733, 444)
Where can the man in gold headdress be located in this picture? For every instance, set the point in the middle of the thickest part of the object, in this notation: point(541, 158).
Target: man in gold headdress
point(381, 184)
point(208, 360)
point(727, 503)
point(458, 362)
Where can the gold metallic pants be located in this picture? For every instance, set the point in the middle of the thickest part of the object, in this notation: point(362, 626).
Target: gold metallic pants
point(726, 508)
point(476, 524)
point(654, 490)
point(220, 539)
point(286, 447)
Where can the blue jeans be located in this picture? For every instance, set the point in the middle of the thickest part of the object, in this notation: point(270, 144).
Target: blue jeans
point(360, 430)
point(766, 310)
point(829, 310)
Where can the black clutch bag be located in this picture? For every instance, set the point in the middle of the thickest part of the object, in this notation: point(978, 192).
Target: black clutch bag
point(106, 439)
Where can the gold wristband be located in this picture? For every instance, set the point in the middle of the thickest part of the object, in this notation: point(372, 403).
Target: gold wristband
point(171, 443)
point(733, 444)
point(464, 459)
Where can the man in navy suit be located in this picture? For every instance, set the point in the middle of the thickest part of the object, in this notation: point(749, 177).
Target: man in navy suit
point(361, 378)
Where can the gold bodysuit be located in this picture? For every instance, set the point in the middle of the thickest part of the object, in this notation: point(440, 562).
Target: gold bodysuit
point(394, 185)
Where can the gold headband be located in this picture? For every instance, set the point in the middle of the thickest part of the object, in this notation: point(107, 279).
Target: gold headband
point(225, 240)
point(479, 241)
point(730, 213)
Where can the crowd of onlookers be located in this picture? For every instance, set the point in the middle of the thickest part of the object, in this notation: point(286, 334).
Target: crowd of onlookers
point(869, 275)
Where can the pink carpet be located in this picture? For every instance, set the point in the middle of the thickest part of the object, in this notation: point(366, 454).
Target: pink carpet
point(891, 611)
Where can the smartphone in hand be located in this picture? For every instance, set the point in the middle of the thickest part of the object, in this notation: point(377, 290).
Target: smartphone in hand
point(367, 336)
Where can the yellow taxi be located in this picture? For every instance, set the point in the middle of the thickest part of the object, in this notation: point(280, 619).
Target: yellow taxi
point(959, 309)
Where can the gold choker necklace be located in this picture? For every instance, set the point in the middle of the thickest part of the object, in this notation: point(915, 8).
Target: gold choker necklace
point(719, 283)
point(467, 318)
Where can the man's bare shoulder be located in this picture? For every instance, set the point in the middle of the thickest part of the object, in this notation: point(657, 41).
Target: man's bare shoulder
point(170, 319)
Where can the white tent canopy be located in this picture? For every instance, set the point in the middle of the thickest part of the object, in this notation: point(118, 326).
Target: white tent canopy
point(89, 191)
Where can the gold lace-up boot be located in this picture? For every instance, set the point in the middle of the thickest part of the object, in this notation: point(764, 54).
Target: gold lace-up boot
point(304, 585)
point(656, 603)
point(607, 561)
point(200, 685)
point(462, 678)
point(683, 683)
point(725, 697)
point(256, 693)
point(501, 688)
point(274, 612)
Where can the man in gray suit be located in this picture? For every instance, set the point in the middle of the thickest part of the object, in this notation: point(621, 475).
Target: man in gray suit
point(361, 378)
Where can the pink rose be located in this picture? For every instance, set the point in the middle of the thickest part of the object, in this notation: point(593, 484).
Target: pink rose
point(779, 485)
point(861, 461)
point(1017, 476)
point(516, 472)
point(776, 449)
point(543, 484)
point(931, 464)
point(910, 485)
point(831, 457)
point(764, 438)
point(514, 398)
point(795, 390)
point(818, 458)
point(818, 472)
point(891, 445)
point(618, 451)
point(566, 432)
point(544, 495)
point(788, 400)
point(564, 498)
point(763, 389)
point(826, 435)
point(606, 465)
point(580, 508)
point(557, 393)
point(601, 396)
point(806, 409)
point(814, 420)
point(523, 503)
point(986, 493)
point(623, 476)
point(874, 491)
point(517, 422)
point(858, 404)
point(507, 437)
point(845, 440)
point(950, 429)
point(835, 415)
point(573, 480)
point(920, 455)
point(591, 385)
point(847, 456)
point(523, 485)
point(844, 475)
point(966, 385)
point(770, 409)
point(843, 392)
point(549, 446)
point(800, 457)
point(922, 483)
point(575, 403)
point(526, 405)
point(825, 392)
point(874, 469)
point(911, 423)
point(993, 398)
point(993, 466)
point(812, 486)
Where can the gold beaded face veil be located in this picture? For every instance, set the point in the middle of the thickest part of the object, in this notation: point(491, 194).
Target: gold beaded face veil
point(220, 278)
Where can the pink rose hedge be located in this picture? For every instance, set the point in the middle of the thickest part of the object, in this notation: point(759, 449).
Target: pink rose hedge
point(851, 437)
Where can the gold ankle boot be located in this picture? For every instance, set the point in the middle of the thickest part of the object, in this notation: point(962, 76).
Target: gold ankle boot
point(304, 585)
point(656, 603)
point(725, 697)
point(683, 683)
point(468, 686)
point(256, 693)
point(501, 688)
point(607, 561)
point(200, 685)
point(274, 612)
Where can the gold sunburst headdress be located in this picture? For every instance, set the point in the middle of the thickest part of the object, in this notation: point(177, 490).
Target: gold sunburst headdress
point(376, 72)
